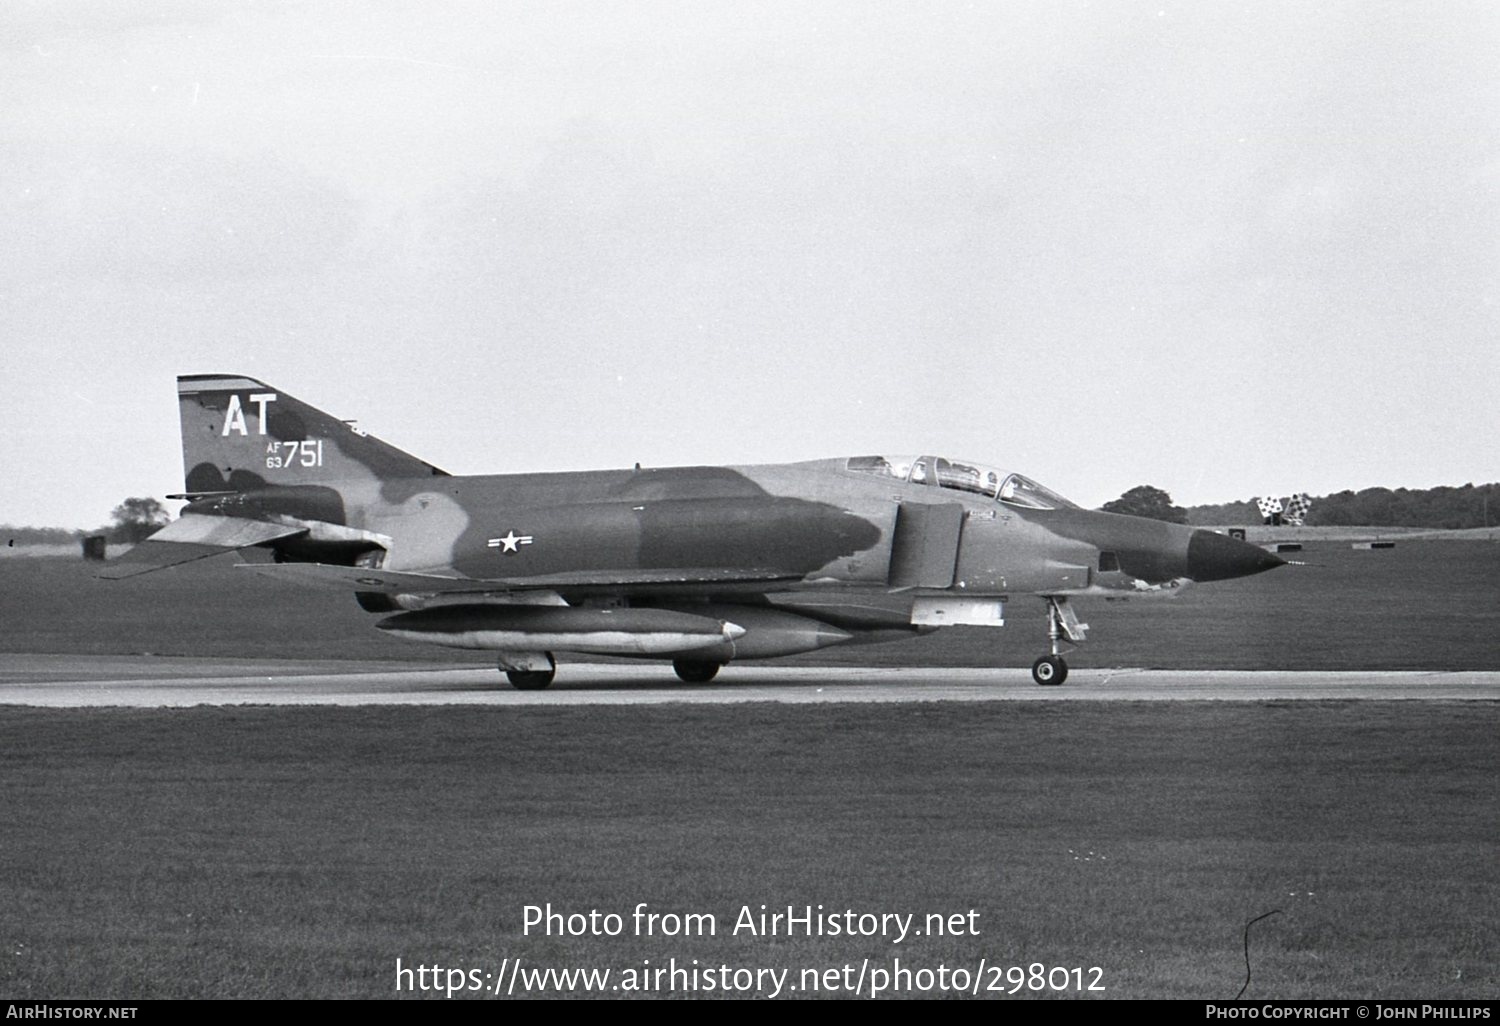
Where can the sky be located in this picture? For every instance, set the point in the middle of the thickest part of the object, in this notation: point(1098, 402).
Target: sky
point(1224, 249)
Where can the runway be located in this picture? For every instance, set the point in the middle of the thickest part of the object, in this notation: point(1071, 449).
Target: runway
point(73, 681)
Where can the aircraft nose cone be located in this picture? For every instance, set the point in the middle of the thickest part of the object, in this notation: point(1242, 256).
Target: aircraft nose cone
point(1217, 557)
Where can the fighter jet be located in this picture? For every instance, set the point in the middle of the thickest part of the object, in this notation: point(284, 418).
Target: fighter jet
point(698, 565)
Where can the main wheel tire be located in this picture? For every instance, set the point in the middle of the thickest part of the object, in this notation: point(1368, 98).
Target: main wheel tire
point(695, 672)
point(1049, 670)
point(530, 680)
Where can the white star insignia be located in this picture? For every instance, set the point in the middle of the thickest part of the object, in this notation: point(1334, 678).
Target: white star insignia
point(512, 542)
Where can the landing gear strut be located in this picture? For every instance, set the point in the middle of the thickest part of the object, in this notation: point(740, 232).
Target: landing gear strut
point(1062, 623)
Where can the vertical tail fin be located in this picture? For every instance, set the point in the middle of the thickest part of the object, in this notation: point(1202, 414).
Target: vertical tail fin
point(239, 434)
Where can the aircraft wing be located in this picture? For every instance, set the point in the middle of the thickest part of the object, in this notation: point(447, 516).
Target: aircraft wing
point(354, 578)
point(195, 536)
point(357, 578)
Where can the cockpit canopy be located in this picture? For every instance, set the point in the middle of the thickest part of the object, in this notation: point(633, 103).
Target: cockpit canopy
point(962, 476)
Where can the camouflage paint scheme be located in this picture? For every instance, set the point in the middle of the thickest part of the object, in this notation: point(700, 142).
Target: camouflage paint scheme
point(699, 564)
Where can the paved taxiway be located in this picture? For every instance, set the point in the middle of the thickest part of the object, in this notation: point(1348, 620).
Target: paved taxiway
point(74, 681)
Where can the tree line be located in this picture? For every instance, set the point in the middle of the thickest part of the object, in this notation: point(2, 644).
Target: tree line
point(132, 521)
point(1441, 508)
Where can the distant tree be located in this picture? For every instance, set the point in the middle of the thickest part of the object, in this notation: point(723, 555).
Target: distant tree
point(137, 519)
point(1225, 514)
point(1146, 501)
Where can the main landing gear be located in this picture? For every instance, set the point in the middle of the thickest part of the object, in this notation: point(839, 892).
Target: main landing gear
point(695, 671)
point(530, 680)
point(1062, 623)
point(529, 671)
point(533, 671)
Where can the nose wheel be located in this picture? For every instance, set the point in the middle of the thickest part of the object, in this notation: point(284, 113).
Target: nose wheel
point(1049, 670)
point(1062, 623)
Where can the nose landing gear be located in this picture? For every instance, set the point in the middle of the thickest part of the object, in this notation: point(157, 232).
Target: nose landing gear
point(1062, 622)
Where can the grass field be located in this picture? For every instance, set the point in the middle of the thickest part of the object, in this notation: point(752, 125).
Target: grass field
point(266, 852)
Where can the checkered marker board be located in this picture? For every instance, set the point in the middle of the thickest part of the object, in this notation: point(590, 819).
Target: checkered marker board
point(1268, 506)
point(1296, 508)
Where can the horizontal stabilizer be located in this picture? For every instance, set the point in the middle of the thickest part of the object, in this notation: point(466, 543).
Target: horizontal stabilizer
point(356, 578)
point(195, 536)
